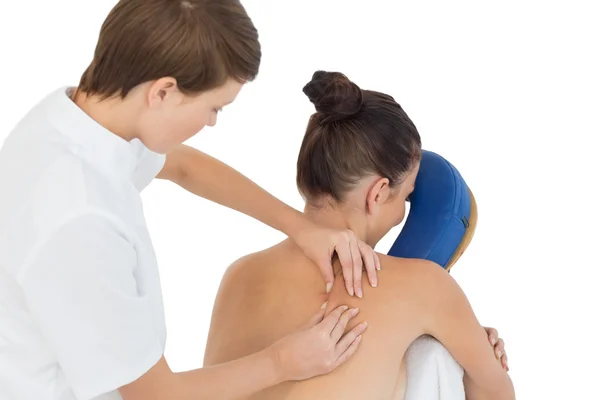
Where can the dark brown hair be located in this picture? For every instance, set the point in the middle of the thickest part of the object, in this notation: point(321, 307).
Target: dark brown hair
point(353, 134)
point(200, 43)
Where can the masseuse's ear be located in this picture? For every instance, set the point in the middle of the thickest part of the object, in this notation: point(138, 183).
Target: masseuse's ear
point(378, 194)
point(164, 92)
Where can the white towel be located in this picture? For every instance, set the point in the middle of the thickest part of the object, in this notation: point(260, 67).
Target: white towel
point(432, 373)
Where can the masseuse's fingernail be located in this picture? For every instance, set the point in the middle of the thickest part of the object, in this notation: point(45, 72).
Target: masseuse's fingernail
point(373, 284)
point(359, 293)
point(329, 286)
point(324, 306)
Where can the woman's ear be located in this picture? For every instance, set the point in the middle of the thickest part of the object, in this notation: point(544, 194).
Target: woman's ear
point(378, 194)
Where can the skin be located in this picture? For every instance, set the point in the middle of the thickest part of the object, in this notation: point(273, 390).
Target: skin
point(163, 117)
point(260, 302)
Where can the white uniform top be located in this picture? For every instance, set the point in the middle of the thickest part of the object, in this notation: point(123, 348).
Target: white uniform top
point(81, 311)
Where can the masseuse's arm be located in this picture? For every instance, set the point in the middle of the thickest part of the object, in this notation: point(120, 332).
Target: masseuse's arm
point(214, 180)
point(236, 379)
point(80, 285)
point(307, 353)
point(453, 322)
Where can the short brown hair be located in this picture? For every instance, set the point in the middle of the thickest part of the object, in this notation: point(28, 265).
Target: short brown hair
point(353, 134)
point(200, 43)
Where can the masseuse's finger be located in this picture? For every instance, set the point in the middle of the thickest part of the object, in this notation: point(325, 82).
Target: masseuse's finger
point(342, 249)
point(342, 323)
point(356, 266)
point(332, 319)
point(349, 343)
point(371, 261)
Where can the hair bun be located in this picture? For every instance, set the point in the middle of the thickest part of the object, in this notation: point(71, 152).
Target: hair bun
point(334, 95)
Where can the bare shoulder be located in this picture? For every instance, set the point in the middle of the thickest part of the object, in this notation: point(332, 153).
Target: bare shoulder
point(254, 265)
point(413, 270)
point(444, 312)
point(424, 282)
point(242, 264)
point(239, 287)
point(397, 310)
point(257, 258)
point(405, 286)
point(430, 286)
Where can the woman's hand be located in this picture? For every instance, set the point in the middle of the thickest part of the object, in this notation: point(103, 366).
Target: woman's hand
point(498, 345)
point(319, 347)
point(320, 243)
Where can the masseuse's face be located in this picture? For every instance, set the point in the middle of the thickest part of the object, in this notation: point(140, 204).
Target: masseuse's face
point(172, 117)
point(390, 210)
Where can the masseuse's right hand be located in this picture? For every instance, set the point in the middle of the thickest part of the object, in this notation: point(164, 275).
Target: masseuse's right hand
point(320, 346)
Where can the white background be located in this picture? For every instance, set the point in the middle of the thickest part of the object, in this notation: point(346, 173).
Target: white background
point(507, 91)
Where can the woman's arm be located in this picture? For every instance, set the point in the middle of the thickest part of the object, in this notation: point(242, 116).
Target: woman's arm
point(451, 320)
point(214, 180)
point(498, 345)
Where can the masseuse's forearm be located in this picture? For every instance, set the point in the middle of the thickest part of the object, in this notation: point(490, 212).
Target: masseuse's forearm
point(214, 180)
point(233, 380)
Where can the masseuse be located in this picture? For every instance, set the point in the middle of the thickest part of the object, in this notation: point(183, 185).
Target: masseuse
point(80, 297)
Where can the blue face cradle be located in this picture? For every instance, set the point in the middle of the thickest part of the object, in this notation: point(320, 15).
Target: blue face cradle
point(442, 216)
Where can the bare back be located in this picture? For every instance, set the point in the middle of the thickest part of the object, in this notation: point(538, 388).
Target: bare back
point(270, 294)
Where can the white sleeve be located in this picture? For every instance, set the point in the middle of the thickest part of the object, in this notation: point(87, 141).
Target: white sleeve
point(81, 288)
point(149, 164)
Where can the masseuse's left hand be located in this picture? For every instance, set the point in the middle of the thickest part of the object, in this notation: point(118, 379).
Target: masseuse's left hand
point(320, 243)
point(498, 345)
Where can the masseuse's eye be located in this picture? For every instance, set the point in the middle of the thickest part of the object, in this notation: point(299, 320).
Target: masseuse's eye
point(217, 110)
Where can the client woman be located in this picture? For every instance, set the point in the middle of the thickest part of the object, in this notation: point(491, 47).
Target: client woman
point(357, 165)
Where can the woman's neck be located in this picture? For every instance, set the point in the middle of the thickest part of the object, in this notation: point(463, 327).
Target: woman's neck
point(338, 218)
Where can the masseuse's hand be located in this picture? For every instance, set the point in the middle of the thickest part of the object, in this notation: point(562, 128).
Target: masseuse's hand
point(319, 347)
point(320, 243)
point(498, 345)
